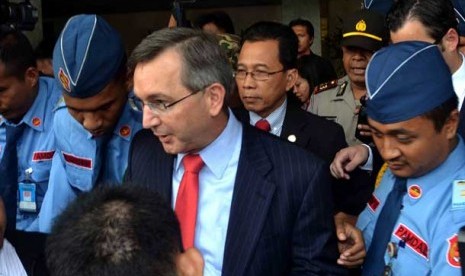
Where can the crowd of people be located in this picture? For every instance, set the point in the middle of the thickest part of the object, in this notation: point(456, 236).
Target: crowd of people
point(205, 153)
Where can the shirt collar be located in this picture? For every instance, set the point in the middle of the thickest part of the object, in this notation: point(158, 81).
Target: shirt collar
point(124, 127)
point(452, 164)
point(217, 154)
point(458, 81)
point(275, 119)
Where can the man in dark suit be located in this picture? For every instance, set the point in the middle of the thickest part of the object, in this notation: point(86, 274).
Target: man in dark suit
point(266, 48)
point(259, 202)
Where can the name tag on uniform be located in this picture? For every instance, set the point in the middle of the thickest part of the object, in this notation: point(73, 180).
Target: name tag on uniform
point(458, 194)
point(331, 118)
point(27, 197)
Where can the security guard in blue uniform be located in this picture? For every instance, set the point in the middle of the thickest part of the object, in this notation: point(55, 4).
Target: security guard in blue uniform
point(95, 123)
point(27, 145)
point(410, 224)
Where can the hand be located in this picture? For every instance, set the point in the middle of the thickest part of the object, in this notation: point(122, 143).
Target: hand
point(365, 130)
point(190, 263)
point(347, 159)
point(350, 241)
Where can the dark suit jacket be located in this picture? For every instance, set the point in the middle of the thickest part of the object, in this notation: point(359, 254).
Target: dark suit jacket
point(280, 222)
point(313, 133)
point(324, 138)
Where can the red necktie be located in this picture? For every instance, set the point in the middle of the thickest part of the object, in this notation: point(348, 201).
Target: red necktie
point(187, 198)
point(263, 125)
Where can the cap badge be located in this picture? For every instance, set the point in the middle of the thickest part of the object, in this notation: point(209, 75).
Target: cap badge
point(36, 121)
point(361, 26)
point(64, 80)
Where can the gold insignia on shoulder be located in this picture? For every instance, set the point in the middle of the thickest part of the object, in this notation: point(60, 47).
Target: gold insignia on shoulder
point(325, 86)
point(380, 175)
point(361, 26)
point(341, 89)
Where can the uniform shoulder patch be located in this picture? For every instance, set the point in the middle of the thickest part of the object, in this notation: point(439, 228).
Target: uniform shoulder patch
point(325, 86)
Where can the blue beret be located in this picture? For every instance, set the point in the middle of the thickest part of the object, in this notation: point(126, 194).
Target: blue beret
point(87, 55)
point(381, 6)
point(405, 80)
point(460, 14)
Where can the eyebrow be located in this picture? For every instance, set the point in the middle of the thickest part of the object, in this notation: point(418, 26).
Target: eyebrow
point(159, 96)
point(393, 132)
point(254, 66)
point(102, 106)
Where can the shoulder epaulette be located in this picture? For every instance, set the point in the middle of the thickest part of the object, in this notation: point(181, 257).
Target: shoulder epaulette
point(325, 86)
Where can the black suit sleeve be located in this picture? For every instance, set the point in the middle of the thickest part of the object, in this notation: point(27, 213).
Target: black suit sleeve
point(314, 237)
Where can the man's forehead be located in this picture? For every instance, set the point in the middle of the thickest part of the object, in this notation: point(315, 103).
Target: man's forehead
point(265, 52)
point(408, 126)
point(412, 29)
point(159, 68)
point(94, 103)
point(299, 28)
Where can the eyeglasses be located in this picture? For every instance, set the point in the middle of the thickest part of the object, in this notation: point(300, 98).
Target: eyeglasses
point(258, 75)
point(157, 106)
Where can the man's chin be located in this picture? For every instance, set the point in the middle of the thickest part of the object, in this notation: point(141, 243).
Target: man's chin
point(168, 146)
point(403, 172)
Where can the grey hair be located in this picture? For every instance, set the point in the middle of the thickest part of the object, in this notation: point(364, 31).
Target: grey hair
point(204, 63)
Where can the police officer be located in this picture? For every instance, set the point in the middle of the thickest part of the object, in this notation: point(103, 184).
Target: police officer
point(364, 33)
point(96, 121)
point(27, 145)
point(411, 222)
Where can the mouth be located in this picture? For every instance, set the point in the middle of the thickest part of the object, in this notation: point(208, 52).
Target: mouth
point(395, 166)
point(358, 70)
point(250, 99)
point(163, 138)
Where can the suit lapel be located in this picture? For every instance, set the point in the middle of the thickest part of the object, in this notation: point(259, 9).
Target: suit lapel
point(242, 115)
point(294, 126)
point(166, 176)
point(161, 171)
point(253, 192)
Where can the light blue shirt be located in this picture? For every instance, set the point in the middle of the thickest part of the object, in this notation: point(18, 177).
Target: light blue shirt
point(425, 233)
point(216, 185)
point(35, 147)
point(83, 161)
point(276, 118)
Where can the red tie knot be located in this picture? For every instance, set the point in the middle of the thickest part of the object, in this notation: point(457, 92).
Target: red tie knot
point(263, 125)
point(192, 163)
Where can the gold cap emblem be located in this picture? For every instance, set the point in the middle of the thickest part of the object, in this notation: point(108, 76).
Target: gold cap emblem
point(65, 82)
point(361, 26)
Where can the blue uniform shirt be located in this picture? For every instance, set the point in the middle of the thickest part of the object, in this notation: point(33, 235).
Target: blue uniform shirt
point(424, 239)
point(83, 161)
point(35, 148)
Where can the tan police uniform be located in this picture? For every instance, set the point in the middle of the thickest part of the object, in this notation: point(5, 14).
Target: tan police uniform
point(335, 101)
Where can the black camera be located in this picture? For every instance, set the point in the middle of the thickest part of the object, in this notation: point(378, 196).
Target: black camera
point(362, 119)
point(22, 16)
